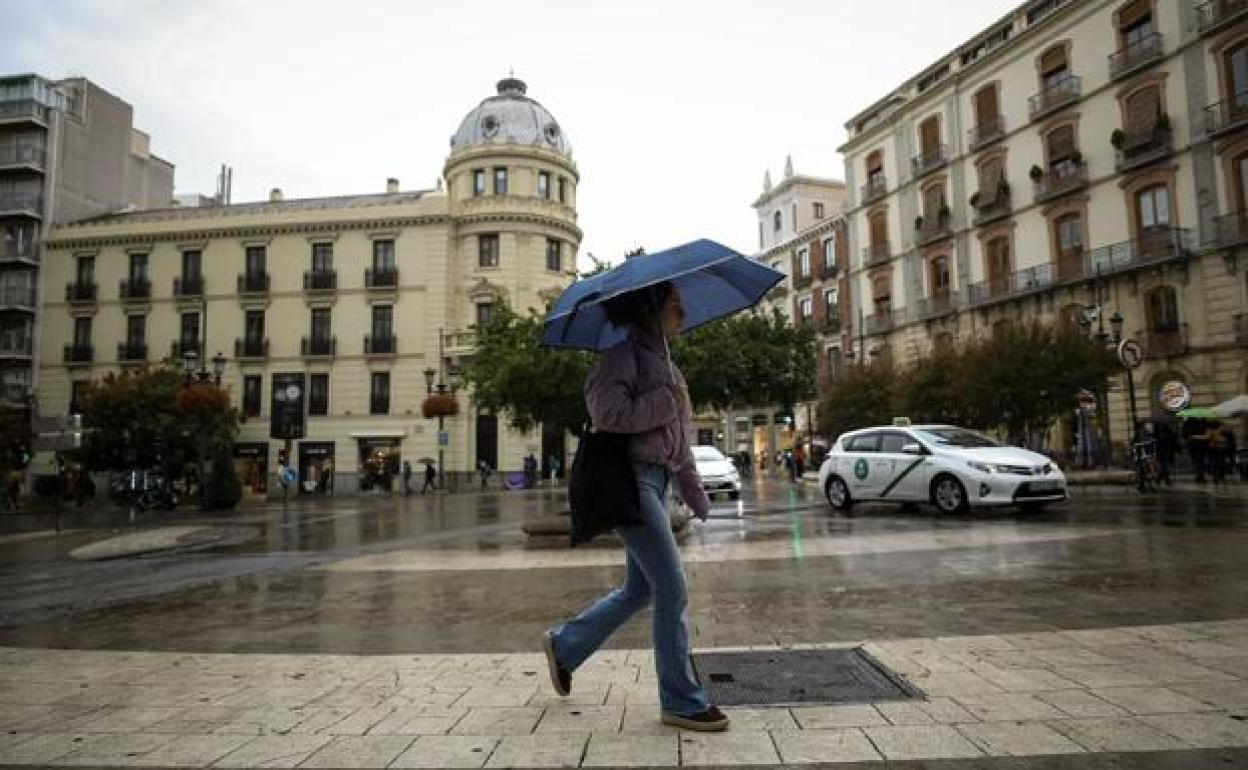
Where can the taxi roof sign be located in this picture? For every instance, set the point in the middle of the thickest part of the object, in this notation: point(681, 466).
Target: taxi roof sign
point(901, 422)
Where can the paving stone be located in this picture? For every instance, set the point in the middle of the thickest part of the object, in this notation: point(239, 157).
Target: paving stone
point(829, 717)
point(497, 696)
point(554, 750)
point(1116, 734)
point(1205, 650)
point(416, 720)
point(999, 739)
point(126, 720)
point(1106, 676)
point(581, 719)
point(1006, 707)
point(34, 693)
point(360, 721)
point(191, 750)
point(1233, 666)
point(578, 697)
point(274, 751)
point(113, 748)
point(954, 682)
point(1024, 679)
point(498, 721)
point(643, 719)
point(1149, 700)
point(263, 721)
point(734, 747)
point(809, 746)
point(1101, 637)
point(769, 719)
point(359, 751)
point(622, 750)
point(1072, 656)
point(40, 749)
point(447, 751)
point(1204, 731)
point(1178, 671)
point(921, 742)
point(1080, 703)
point(1228, 694)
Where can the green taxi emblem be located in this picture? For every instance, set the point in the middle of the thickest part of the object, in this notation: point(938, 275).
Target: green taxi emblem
point(860, 469)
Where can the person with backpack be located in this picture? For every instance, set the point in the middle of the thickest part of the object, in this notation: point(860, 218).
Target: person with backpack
point(636, 390)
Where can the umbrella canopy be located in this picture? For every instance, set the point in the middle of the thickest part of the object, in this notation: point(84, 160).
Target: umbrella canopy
point(1200, 413)
point(713, 280)
point(1235, 407)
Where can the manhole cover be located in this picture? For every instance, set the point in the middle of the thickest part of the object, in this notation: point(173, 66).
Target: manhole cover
point(798, 676)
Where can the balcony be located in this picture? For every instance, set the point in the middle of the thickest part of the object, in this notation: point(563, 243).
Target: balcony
point(320, 281)
point(23, 111)
point(79, 354)
point(179, 348)
point(876, 187)
point(251, 348)
point(1159, 245)
point(21, 204)
point(80, 293)
point(381, 279)
point(16, 347)
point(27, 253)
point(19, 298)
point(253, 284)
point(1002, 288)
point(1218, 15)
point(318, 346)
point(988, 210)
point(1128, 60)
point(777, 292)
point(934, 228)
point(1163, 343)
point(929, 160)
point(939, 304)
point(1062, 93)
point(461, 343)
point(830, 323)
point(1143, 146)
point(801, 281)
point(188, 287)
point(882, 321)
point(381, 346)
point(985, 133)
point(1241, 329)
point(1060, 180)
point(876, 254)
point(20, 156)
point(1230, 229)
point(137, 290)
point(1227, 115)
point(131, 352)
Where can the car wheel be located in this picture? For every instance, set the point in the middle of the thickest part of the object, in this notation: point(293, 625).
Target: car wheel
point(837, 493)
point(948, 494)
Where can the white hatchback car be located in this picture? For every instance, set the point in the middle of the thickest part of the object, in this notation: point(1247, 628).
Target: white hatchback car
point(952, 468)
point(717, 472)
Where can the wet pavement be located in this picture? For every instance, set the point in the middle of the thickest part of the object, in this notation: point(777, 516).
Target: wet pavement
point(454, 575)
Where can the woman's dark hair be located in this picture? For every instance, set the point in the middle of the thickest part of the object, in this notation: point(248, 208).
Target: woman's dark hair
point(638, 306)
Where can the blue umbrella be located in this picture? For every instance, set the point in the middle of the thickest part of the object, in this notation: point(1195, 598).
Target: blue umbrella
point(713, 280)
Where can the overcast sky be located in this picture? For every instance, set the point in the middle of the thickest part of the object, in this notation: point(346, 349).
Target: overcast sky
point(674, 109)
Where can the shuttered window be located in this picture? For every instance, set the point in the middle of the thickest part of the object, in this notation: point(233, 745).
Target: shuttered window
point(986, 107)
point(929, 135)
point(1134, 14)
point(881, 287)
point(879, 229)
point(1143, 107)
point(990, 176)
point(933, 199)
point(1053, 62)
point(1061, 144)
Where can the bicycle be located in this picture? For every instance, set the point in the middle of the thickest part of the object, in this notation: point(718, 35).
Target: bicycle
point(1147, 471)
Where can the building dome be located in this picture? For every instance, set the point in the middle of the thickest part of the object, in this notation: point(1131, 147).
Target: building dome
point(510, 118)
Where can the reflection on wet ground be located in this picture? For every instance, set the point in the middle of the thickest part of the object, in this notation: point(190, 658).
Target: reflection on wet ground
point(375, 576)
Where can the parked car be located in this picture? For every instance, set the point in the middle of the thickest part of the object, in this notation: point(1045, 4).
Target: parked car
point(717, 472)
point(950, 467)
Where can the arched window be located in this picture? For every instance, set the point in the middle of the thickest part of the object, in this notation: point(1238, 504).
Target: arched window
point(1153, 216)
point(875, 166)
point(879, 231)
point(1163, 309)
point(1054, 67)
point(987, 112)
point(938, 276)
point(991, 181)
point(933, 201)
point(776, 221)
point(1060, 147)
point(1143, 108)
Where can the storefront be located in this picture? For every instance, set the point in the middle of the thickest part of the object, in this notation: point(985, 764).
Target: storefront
point(380, 460)
point(316, 467)
point(251, 462)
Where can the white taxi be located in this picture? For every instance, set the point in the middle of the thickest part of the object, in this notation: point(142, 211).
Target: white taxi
point(952, 468)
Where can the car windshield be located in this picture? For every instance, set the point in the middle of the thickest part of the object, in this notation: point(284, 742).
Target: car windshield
point(956, 437)
point(707, 453)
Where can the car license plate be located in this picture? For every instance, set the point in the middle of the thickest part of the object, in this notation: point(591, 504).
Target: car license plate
point(1046, 486)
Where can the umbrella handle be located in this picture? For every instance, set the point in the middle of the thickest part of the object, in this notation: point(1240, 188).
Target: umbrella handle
point(563, 337)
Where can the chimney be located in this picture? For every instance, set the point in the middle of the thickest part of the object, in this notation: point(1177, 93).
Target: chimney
point(275, 195)
point(392, 185)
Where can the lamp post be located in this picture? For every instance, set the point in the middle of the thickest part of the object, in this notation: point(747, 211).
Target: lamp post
point(1116, 323)
point(194, 370)
point(453, 373)
point(1085, 326)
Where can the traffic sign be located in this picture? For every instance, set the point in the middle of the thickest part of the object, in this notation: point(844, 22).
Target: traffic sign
point(1130, 353)
point(444, 438)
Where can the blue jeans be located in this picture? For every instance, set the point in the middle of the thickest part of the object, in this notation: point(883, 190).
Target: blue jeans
point(655, 575)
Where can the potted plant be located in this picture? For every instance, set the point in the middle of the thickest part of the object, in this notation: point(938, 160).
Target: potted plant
point(1076, 157)
point(1003, 188)
point(1036, 173)
point(944, 212)
point(439, 405)
point(1117, 138)
point(974, 200)
point(1163, 122)
point(918, 223)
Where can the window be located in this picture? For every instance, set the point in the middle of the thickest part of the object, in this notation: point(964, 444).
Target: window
point(383, 321)
point(929, 136)
point(478, 182)
point(320, 323)
point(500, 181)
point(192, 265)
point(323, 257)
point(991, 179)
point(1163, 309)
point(879, 230)
point(188, 334)
point(830, 297)
point(1152, 207)
point(1054, 70)
point(138, 269)
point(563, 190)
point(1235, 77)
point(829, 256)
point(255, 256)
point(833, 363)
point(485, 314)
point(805, 309)
point(998, 267)
point(1135, 22)
point(78, 390)
point(487, 250)
point(18, 239)
point(379, 393)
point(818, 207)
point(867, 442)
point(85, 271)
point(136, 330)
point(554, 255)
point(893, 442)
point(82, 332)
point(543, 184)
point(939, 276)
point(881, 294)
point(253, 328)
point(875, 168)
point(793, 215)
point(1061, 147)
point(987, 112)
point(803, 263)
point(775, 221)
point(1070, 233)
point(383, 256)
point(933, 202)
point(318, 395)
point(251, 395)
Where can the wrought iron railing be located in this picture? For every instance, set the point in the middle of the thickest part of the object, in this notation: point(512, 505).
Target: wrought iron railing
point(876, 253)
point(929, 160)
point(1164, 342)
point(380, 346)
point(253, 283)
point(1226, 115)
point(1136, 56)
point(138, 288)
point(1231, 229)
point(251, 347)
point(79, 354)
point(1216, 14)
point(986, 132)
point(1059, 180)
point(80, 292)
point(990, 210)
point(1005, 286)
point(131, 351)
point(934, 228)
point(381, 279)
point(940, 303)
point(1054, 97)
point(876, 187)
point(1143, 146)
point(317, 345)
point(320, 280)
point(188, 286)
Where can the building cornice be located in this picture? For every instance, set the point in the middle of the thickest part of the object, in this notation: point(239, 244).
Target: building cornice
point(793, 181)
point(809, 235)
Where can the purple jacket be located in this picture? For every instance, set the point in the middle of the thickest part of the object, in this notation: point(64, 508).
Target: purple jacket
point(631, 390)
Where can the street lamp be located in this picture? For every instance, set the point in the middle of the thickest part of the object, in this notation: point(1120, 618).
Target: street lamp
point(1115, 323)
point(189, 363)
point(218, 367)
point(453, 373)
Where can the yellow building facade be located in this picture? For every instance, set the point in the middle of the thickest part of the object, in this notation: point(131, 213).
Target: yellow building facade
point(351, 298)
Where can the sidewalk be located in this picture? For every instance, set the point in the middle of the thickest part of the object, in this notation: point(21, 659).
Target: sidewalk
point(1133, 689)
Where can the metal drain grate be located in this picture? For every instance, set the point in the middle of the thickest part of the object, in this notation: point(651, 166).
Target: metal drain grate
point(798, 676)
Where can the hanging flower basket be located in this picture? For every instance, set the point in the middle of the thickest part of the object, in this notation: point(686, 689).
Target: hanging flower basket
point(439, 405)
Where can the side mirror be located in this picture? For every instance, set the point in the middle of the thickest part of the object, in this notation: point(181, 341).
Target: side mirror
point(912, 449)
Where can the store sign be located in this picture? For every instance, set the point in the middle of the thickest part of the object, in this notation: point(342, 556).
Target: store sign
point(287, 406)
point(1174, 396)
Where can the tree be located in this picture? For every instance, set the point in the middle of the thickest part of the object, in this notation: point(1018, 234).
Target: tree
point(861, 397)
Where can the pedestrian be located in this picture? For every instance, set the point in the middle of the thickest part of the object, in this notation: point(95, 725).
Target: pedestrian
point(407, 479)
point(1165, 452)
point(1197, 447)
point(1230, 449)
point(13, 489)
point(553, 464)
point(431, 476)
point(327, 476)
point(799, 461)
point(483, 470)
point(1215, 449)
point(636, 389)
point(530, 471)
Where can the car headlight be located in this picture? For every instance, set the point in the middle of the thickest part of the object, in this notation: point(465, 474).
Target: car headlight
point(981, 467)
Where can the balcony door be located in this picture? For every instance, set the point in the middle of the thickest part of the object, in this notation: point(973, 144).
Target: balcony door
point(320, 326)
point(322, 258)
point(1152, 216)
point(255, 263)
point(1060, 144)
point(189, 336)
point(1235, 78)
point(1143, 108)
point(998, 267)
point(383, 322)
point(938, 278)
point(192, 265)
point(1163, 310)
point(929, 137)
point(1068, 234)
point(254, 328)
point(987, 111)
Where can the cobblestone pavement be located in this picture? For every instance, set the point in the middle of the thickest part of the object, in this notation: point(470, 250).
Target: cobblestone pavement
point(1110, 632)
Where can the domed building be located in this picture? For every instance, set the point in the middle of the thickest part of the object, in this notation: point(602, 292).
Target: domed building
point(362, 303)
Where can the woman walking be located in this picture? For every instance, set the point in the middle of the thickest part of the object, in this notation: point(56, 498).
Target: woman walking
point(635, 389)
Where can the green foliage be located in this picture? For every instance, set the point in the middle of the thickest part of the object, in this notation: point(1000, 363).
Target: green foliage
point(861, 397)
point(15, 439)
point(223, 488)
